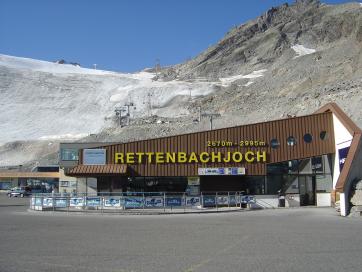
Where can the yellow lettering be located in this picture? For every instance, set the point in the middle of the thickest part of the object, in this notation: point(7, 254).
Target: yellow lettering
point(150, 154)
point(118, 158)
point(182, 157)
point(130, 157)
point(237, 157)
point(204, 157)
point(218, 156)
point(171, 157)
point(193, 158)
point(261, 156)
point(160, 157)
point(140, 156)
point(228, 158)
point(247, 156)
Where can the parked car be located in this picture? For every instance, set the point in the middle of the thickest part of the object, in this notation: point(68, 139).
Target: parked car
point(18, 192)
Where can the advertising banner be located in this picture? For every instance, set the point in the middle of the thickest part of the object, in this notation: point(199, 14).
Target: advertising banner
point(133, 202)
point(230, 171)
point(76, 202)
point(61, 202)
point(48, 202)
point(222, 200)
point(247, 199)
point(343, 152)
point(94, 156)
point(174, 201)
point(208, 201)
point(112, 202)
point(192, 201)
point(234, 200)
point(93, 201)
point(152, 202)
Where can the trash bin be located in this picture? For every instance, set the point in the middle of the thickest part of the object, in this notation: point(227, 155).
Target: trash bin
point(281, 201)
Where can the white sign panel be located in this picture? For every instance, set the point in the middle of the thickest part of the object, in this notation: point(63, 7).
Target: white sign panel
point(94, 156)
point(232, 171)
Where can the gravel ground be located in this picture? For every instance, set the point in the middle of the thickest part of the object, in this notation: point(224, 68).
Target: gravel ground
point(303, 239)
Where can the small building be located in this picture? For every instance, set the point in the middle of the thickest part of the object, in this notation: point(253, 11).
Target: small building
point(307, 160)
point(42, 181)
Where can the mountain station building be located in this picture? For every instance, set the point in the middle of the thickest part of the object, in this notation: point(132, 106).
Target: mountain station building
point(308, 160)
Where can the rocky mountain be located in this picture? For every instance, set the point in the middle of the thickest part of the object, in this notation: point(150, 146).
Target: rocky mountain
point(289, 61)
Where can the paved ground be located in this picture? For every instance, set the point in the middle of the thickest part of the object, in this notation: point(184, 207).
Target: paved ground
point(309, 239)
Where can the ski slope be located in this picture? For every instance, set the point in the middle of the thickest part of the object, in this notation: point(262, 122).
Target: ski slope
point(43, 101)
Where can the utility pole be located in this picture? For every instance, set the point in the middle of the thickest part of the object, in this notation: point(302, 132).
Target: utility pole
point(125, 108)
point(211, 116)
point(118, 112)
point(130, 104)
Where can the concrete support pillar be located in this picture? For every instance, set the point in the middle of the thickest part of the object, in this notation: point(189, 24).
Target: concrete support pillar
point(343, 198)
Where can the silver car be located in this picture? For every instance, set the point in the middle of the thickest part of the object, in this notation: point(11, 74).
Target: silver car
point(18, 192)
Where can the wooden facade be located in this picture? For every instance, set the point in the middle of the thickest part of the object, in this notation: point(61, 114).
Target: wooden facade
point(280, 130)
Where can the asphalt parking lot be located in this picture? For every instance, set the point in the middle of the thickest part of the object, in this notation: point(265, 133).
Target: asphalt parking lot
point(304, 239)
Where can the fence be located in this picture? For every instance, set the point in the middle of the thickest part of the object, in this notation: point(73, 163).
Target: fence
point(139, 201)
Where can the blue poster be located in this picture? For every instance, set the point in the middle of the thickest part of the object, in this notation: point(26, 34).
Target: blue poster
point(222, 200)
point(61, 202)
point(233, 200)
point(343, 152)
point(174, 201)
point(208, 201)
point(153, 202)
point(76, 202)
point(192, 201)
point(133, 202)
point(247, 199)
point(48, 202)
point(112, 202)
point(93, 201)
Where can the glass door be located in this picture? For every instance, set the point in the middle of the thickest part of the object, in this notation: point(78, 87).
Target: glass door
point(307, 190)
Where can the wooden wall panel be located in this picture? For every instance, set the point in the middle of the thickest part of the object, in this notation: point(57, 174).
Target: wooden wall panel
point(197, 142)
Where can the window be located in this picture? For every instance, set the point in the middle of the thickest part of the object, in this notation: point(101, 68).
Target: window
point(291, 141)
point(323, 135)
point(308, 138)
point(256, 185)
point(69, 154)
point(274, 143)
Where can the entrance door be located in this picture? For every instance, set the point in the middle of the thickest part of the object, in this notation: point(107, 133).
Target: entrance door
point(307, 190)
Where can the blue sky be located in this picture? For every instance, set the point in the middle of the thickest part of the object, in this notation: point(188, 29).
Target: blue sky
point(123, 35)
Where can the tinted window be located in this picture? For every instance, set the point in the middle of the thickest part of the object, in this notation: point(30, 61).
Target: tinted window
point(274, 143)
point(324, 135)
point(308, 138)
point(291, 141)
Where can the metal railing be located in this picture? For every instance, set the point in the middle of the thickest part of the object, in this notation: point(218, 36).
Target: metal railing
point(140, 201)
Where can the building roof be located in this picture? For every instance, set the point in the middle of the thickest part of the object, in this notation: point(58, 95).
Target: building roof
point(355, 131)
point(101, 170)
point(8, 174)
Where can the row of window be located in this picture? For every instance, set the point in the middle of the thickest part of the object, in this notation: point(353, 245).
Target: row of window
point(291, 141)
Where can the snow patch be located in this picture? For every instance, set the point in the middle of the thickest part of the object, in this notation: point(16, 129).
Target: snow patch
point(248, 84)
point(226, 81)
point(67, 136)
point(46, 66)
point(301, 50)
